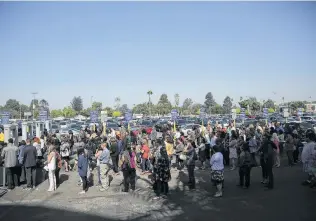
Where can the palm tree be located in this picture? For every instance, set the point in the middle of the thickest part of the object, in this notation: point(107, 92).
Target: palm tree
point(43, 103)
point(117, 102)
point(149, 93)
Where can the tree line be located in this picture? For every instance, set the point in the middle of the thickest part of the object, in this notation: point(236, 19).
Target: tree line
point(162, 107)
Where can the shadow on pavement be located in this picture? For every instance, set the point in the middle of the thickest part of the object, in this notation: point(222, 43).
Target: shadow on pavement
point(36, 213)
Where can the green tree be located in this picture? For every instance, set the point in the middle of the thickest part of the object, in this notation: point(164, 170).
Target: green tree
point(269, 104)
point(12, 104)
point(97, 106)
point(217, 109)
point(123, 108)
point(117, 101)
point(56, 113)
point(109, 110)
point(69, 112)
point(195, 108)
point(149, 93)
point(186, 106)
point(209, 101)
point(76, 104)
point(227, 105)
point(164, 106)
point(177, 99)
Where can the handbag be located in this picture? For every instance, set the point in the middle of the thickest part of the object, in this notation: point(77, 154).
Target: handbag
point(183, 157)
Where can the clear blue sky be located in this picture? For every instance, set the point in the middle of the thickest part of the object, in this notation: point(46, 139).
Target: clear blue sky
point(106, 49)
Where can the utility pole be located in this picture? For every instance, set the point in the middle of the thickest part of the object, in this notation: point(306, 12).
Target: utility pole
point(33, 105)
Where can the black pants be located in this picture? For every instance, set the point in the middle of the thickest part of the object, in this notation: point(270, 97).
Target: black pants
point(84, 183)
point(191, 176)
point(295, 155)
point(290, 157)
point(207, 151)
point(115, 159)
point(129, 178)
point(57, 176)
point(30, 176)
point(161, 188)
point(253, 157)
point(263, 169)
point(226, 157)
point(244, 176)
point(269, 172)
point(12, 177)
point(22, 174)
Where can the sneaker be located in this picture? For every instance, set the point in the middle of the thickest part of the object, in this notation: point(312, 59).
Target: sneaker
point(34, 188)
point(103, 189)
point(82, 192)
point(50, 190)
point(218, 194)
point(156, 198)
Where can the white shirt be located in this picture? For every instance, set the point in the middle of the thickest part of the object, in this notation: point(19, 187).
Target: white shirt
point(217, 162)
point(52, 164)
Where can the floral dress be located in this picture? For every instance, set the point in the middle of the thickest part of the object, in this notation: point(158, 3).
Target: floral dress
point(161, 167)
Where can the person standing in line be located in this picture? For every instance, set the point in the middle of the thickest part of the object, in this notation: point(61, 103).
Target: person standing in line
point(29, 161)
point(268, 148)
point(9, 154)
point(145, 157)
point(161, 172)
point(244, 167)
point(191, 158)
point(253, 147)
point(20, 159)
point(51, 165)
point(128, 166)
point(97, 156)
point(217, 169)
point(275, 140)
point(289, 147)
point(105, 167)
point(83, 170)
point(233, 150)
point(114, 153)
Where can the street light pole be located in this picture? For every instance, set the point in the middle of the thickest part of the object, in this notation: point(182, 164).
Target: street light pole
point(91, 101)
point(33, 105)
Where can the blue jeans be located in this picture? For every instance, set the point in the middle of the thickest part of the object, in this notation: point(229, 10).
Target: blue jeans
point(145, 165)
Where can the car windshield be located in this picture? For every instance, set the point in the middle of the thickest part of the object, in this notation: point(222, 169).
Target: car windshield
point(146, 122)
point(181, 121)
point(62, 123)
point(54, 127)
point(110, 124)
point(306, 125)
point(190, 126)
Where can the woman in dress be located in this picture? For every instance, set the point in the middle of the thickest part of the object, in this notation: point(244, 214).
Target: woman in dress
point(233, 150)
point(51, 165)
point(161, 172)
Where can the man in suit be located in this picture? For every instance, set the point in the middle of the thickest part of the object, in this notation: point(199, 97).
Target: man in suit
point(29, 161)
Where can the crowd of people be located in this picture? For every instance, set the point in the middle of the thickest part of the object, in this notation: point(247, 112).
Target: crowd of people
point(110, 153)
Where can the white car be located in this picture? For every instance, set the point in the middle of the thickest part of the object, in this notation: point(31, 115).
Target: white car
point(63, 125)
point(188, 127)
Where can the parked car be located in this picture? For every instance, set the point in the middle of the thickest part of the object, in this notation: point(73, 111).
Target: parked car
point(188, 127)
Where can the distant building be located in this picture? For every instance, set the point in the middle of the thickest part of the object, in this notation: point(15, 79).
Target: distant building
point(310, 108)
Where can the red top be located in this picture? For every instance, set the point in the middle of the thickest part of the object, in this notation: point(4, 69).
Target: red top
point(145, 150)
